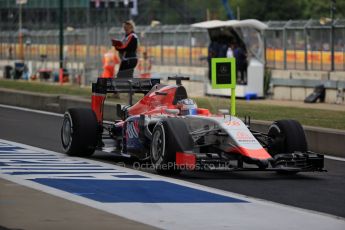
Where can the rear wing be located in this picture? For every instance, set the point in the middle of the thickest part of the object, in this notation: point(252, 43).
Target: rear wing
point(133, 85)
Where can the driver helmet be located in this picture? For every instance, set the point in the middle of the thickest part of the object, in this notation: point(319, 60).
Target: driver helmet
point(187, 107)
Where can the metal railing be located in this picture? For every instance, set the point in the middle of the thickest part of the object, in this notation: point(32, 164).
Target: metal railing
point(303, 45)
point(166, 45)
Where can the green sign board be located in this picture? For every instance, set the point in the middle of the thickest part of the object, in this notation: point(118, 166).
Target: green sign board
point(223, 73)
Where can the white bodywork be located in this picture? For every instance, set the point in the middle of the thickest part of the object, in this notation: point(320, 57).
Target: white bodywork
point(240, 136)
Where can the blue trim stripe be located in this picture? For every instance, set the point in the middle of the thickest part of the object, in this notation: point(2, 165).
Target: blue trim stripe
point(142, 191)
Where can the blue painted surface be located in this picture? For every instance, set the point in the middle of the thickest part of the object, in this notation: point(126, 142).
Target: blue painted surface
point(16, 161)
point(85, 181)
point(78, 176)
point(9, 148)
point(59, 160)
point(54, 166)
point(3, 164)
point(28, 158)
point(25, 155)
point(50, 162)
point(130, 176)
point(72, 169)
point(52, 172)
point(142, 191)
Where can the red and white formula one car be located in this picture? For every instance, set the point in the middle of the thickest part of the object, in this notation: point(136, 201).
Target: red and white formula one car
point(167, 128)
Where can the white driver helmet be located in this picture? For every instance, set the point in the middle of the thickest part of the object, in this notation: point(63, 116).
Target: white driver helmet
point(187, 106)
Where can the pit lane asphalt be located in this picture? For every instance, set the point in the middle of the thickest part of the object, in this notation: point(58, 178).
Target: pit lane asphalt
point(323, 192)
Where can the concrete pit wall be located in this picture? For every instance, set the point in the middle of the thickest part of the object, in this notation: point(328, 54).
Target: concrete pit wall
point(297, 85)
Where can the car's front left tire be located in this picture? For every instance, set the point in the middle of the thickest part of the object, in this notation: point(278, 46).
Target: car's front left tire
point(163, 150)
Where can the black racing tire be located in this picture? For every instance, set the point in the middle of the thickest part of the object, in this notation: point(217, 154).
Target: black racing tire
point(162, 150)
point(79, 132)
point(165, 143)
point(286, 136)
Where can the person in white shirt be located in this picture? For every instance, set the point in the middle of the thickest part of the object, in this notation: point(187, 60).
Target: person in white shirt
point(230, 52)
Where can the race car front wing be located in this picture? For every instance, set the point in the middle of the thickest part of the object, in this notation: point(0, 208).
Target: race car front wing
point(286, 162)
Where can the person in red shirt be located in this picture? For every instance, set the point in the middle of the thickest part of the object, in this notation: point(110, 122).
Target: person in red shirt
point(128, 51)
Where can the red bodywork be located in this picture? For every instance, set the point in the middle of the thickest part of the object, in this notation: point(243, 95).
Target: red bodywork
point(156, 101)
point(97, 103)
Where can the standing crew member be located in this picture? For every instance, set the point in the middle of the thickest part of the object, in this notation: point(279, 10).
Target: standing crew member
point(230, 51)
point(241, 64)
point(128, 51)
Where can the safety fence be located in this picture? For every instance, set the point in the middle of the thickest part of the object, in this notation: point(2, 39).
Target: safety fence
point(304, 45)
point(174, 46)
point(299, 59)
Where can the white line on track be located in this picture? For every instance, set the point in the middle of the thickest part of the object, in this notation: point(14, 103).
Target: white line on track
point(31, 110)
point(37, 111)
point(334, 158)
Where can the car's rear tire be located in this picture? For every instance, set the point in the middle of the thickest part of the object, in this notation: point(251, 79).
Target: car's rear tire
point(79, 132)
point(286, 136)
